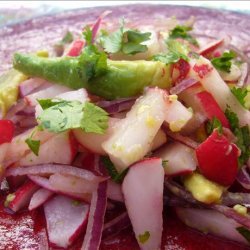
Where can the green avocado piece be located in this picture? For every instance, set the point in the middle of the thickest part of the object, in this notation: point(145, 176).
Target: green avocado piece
point(9, 82)
point(122, 79)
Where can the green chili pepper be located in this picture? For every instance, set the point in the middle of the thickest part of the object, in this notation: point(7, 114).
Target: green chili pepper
point(122, 78)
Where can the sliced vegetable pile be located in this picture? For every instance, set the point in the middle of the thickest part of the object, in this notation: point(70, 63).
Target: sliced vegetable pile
point(134, 118)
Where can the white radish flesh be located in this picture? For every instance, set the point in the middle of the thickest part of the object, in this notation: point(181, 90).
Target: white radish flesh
point(93, 142)
point(58, 149)
point(180, 158)
point(213, 83)
point(210, 221)
point(39, 198)
point(143, 193)
point(134, 134)
point(50, 92)
point(65, 219)
point(72, 183)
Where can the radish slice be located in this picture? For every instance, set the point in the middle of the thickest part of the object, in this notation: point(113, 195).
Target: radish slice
point(44, 183)
point(116, 225)
point(210, 47)
point(232, 76)
point(59, 149)
point(209, 221)
point(50, 92)
point(18, 147)
point(93, 142)
point(21, 197)
point(180, 158)
point(204, 72)
point(183, 139)
point(39, 198)
point(114, 191)
point(143, 193)
point(134, 134)
point(66, 219)
point(98, 205)
point(73, 183)
point(80, 95)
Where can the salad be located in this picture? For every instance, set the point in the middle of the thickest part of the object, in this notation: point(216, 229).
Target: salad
point(139, 117)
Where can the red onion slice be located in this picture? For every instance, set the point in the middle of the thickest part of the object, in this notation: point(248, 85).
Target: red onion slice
point(44, 183)
point(183, 139)
point(97, 212)
point(243, 177)
point(116, 225)
point(97, 24)
point(65, 219)
point(231, 199)
point(184, 84)
point(117, 106)
point(39, 198)
point(46, 169)
point(29, 86)
point(244, 75)
point(98, 205)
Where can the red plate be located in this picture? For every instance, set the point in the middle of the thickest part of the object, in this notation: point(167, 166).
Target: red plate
point(26, 230)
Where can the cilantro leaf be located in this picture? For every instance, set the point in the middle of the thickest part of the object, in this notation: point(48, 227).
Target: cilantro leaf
point(182, 32)
point(93, 61)
point(68, 38)
point(244, 232)
point(240, 94)
point(87, 34)
point(224, 62)
point(242, 134)
point(47, 103)
point(66, 115)
point(113, 173)
point(143, 238)
point(34, 145)
point(214, 124)
point(176, 51)
point(126, 41)
point(164, 163)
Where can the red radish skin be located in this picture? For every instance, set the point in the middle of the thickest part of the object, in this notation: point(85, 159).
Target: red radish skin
point(22, 196)
point(180, 70)
point(65, 219)
point(211, 107)
point(75, 48)
point(143, 194)
point(6, 131)
point(39, 198)
point(210, 48)
point(218, 159)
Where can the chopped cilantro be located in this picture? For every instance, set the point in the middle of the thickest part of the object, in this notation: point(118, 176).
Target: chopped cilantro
point(224, 62)
point(126, 41)
point(176, 51)
point(182, 32)
point(75, 203)
point(87, 34)
point(242, 134)
point(94, 61)
point(240, 94)
point(68, 38)
point(244, 232)
point(34, 145)
point(66, 115)
point(214, 124)
point(164, 163)
point(143, 238)
point(47, 103)
point(113, 173)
